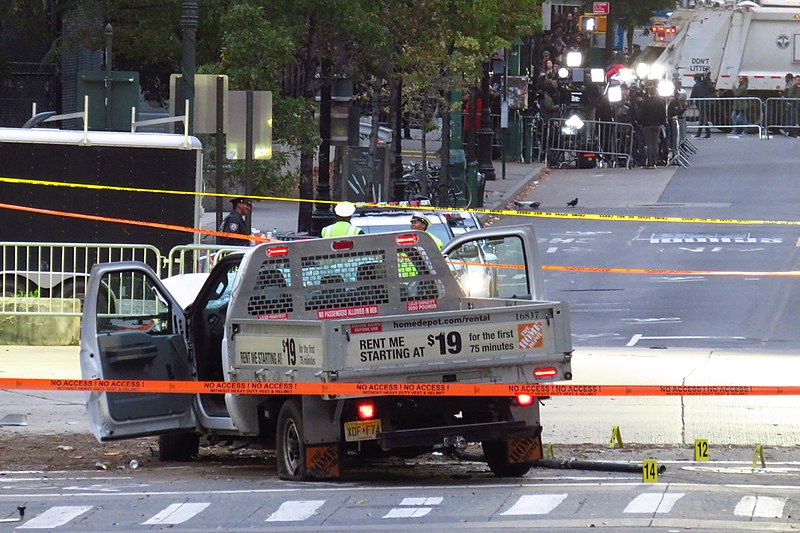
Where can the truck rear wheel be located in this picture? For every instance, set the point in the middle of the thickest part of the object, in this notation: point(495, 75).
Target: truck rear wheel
point(290, 443)
point(496, 455)
point(178, 446)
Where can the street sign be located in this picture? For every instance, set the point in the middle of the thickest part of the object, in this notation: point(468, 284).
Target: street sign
point(600, 8)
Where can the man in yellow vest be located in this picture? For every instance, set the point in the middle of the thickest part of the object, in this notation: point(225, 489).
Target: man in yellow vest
point(342, 227)
point(421, 222)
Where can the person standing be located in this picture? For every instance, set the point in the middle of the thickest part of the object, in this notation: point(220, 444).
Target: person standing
point(702, 89)
point(793, 92)
point(420, 222)
point(237, 222)
point(739, 112)
point(342, 227)
point(652, 115)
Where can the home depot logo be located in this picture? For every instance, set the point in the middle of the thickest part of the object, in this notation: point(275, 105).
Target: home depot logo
point(530, 335)
point(323, 461)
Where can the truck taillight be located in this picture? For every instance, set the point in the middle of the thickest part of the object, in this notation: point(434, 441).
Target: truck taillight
point(276, 251)
point(366, 411)
point(544, 373)
point(404, 240)
point(338, 246)
point(524, 399)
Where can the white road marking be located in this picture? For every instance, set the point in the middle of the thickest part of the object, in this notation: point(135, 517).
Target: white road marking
point(653, 503)
point(55, 516)
point(760, 506)
point(535, 504)
point(434, 500)
point(295, 510)
point(408, 512)
point(650, 320)
point(639, 337)
point(552, 250)
point(176, 513)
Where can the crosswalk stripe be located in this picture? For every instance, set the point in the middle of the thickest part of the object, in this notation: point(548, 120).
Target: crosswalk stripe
point(295, 510)
point(177, 513)
point(434, 500)
point(653, 503)
point(760, 506)
point(535, 504)
point(407, 512)
point(55, 516)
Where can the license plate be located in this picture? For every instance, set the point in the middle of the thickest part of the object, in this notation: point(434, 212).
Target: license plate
point(361, 430)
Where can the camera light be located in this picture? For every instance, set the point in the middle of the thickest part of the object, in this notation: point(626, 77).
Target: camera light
point(598, 75)
point(642, 70)
point(614, 94)
point(665, 88)
point(563, 73)
point(574, 59)
point(574, 122)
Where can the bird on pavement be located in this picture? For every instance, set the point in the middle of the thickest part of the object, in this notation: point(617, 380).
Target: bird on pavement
point(528, 205)
point(572, 203)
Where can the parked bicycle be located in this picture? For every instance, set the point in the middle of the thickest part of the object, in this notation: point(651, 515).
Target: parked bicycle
point(458, 193)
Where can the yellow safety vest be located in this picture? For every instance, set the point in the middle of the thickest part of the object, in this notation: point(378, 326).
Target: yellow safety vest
point(342, 228)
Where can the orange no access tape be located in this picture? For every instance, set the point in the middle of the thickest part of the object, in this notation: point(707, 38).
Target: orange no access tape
point(389, 389)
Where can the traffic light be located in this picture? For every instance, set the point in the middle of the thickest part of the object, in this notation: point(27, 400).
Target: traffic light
point(592, 23)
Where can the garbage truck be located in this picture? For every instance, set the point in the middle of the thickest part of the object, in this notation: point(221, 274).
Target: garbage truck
point(723, 39)
point(385, 312)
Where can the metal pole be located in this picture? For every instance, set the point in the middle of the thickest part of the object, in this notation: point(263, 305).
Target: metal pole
point(248, 143)
point(220, 151)
point(485, 134)
point(188, 50)
point(109, 33)
point(322, 215)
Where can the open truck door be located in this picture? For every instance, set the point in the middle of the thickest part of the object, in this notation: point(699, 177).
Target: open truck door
point(497, 262)
point(138, 333)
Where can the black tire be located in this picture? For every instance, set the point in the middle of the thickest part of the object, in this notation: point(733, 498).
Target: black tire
point(497, 458)
point(290, 447)
point(180, 447)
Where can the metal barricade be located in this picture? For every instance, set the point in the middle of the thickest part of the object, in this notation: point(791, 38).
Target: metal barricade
point(196, 258)
point(731, 115)
point(587, 143)
point(782, 115)
point(49, 278)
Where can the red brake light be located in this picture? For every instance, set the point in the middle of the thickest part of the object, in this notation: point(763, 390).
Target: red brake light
point(404, 240)
point(341, 245)
point(274, 251)
point(542, 373)
point(366, 411)
point(524, 399)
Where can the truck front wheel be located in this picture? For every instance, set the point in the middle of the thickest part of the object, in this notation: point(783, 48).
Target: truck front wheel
point(496, 454)
point(290, 445)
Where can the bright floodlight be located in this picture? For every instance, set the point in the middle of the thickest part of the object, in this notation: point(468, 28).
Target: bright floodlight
point(656, 72)
point(642, 70)
point(614, 94)
point(563, 73)
point(626, 75)
point(598, 75)
point(574, 122)
point(574, 59)
point(665, 88)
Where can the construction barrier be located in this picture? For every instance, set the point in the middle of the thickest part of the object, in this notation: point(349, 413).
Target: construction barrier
point(586, 143)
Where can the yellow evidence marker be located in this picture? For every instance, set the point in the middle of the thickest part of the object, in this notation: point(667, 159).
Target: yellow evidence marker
point(649, 471)
point(701, 450)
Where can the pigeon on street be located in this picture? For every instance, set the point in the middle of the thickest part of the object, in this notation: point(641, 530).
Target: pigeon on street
point(528, 205)
point(572, 203)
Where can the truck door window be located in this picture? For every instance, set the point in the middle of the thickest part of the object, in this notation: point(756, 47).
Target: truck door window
point(491, 268)
point(135, 304)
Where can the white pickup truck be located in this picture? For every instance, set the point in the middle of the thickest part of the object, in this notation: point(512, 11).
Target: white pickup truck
point(373, 309)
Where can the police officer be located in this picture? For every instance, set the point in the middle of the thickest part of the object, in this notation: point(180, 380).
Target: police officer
point(238, 222)
point(342, 227)
point(420, 222)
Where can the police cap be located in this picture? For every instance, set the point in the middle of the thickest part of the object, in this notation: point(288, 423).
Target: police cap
point(344, 209)
point(241, 200)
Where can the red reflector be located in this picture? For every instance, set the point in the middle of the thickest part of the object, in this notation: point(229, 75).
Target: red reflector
point(524, 399)
point(366, 411)
point(541, 373)
point(274, 251)
point(406, 239)
point(342, 245)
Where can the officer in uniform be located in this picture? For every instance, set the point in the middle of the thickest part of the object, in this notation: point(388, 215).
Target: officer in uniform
point(237, 221)
point(421, 222)
point(342, 227)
